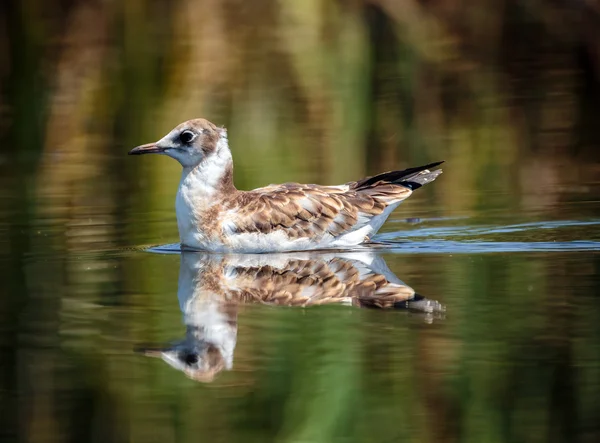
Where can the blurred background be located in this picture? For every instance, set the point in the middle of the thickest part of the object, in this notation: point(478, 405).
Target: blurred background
point(507, 92)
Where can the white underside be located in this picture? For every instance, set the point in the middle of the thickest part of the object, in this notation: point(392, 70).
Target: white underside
point(278, 241)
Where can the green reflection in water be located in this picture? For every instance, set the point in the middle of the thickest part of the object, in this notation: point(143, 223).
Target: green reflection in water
point(311, 91)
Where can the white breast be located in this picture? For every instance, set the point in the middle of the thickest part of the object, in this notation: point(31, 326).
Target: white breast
point(186, 220)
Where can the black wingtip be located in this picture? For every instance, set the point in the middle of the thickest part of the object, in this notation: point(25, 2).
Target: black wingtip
point(432, 165)
point(403, 177)
point(420, 179)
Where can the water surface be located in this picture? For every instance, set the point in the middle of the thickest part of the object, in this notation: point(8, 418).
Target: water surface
point(506, 240)
point(516, 352)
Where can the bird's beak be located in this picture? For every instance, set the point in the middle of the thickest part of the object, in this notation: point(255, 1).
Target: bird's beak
point(150, 148)
point(150, 351)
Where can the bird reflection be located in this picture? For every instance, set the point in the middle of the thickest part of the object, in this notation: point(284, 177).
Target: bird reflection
point(212, 286)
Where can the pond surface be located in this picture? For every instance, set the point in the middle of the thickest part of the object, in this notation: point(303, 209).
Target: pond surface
point(476, 317)
point(502, 342)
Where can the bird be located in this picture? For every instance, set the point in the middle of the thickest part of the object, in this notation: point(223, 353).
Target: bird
point(213, 215)
point(212, 288)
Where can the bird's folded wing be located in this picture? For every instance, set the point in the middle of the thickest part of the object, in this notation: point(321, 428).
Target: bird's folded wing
point(315, 282)
point(307, 210)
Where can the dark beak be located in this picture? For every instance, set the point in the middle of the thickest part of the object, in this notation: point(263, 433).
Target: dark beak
point(150, 148)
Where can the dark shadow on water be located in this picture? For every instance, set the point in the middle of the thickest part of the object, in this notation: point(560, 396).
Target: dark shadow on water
point(211, 288)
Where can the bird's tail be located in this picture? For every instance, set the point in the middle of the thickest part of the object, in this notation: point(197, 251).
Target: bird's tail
point(412, 178)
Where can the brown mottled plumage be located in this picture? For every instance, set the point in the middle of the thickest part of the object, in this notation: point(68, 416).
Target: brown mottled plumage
point(213, 215)
point(309, 282)
point(301, 210)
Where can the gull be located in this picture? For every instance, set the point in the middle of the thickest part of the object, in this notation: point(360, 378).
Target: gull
point(212, 215)
point(213, 287)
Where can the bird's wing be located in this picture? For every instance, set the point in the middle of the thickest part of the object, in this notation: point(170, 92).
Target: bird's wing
point(315, 282)
point(308, 210)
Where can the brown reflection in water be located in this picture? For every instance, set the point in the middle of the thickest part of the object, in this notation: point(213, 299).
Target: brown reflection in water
point(212, 286)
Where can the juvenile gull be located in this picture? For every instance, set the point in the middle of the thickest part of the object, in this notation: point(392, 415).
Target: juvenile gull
point(213, 215)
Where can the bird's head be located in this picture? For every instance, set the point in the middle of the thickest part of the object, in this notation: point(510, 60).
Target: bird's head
point(189, 143)
point(200, 361)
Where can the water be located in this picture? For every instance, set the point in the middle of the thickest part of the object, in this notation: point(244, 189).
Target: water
point(512, 350)
point(501, 342)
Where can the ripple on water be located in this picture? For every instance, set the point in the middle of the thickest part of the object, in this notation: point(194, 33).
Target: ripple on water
point(543, 236)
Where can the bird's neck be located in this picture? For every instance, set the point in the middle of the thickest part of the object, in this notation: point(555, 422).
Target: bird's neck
point(211, 178)
point(212, 322)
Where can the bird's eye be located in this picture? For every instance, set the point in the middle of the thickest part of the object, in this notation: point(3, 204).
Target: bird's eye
point(191, 359)
point(186, 137)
